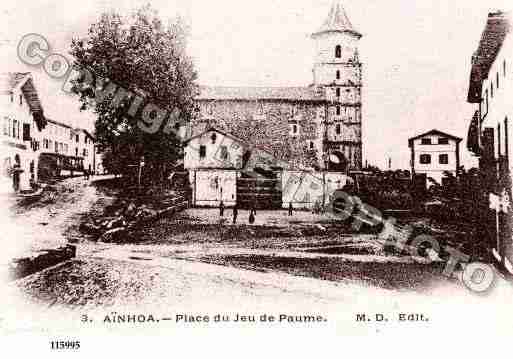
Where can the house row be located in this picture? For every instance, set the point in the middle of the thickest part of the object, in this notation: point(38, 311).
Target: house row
point(28, 135)
point(490, 130)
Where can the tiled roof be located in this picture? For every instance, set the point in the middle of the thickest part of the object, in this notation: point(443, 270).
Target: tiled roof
point(11, 80)
point(337, 21)
point(260, 93)
point(433, 132)
point(58, 123)
point(496, 29)
point(75, 130)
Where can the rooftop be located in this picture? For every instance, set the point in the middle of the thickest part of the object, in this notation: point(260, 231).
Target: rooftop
point(433, 132)
point(337, 21)
point(497, 27)
point(260, 93)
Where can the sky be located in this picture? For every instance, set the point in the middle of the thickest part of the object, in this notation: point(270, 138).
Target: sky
point(416, 55)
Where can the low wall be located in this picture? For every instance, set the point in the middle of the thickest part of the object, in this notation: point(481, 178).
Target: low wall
point(306, 189)
point(22, 267)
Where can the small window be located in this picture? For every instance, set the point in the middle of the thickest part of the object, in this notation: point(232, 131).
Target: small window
point(311, 145)
point(203, 151)
point(294, 129)
point(12, 97)
point(337, 129)
point(443, 141)
point(338, 74)
point(338, 91)
point(504, 67)
point(497, 81)
point(21, 100)
point(425, 159)
point(443, 159)
point(338, 110)
point(76, 138)
point(338, 51)
point(491, 89)
point(425, 141)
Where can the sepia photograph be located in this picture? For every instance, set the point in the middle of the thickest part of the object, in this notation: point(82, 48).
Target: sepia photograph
point(273, 177)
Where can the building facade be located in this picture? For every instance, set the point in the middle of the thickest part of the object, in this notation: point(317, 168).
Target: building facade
point(27, 135)
point(21, 119)
point(490, 131)
point(434, 153)
point(312, 127)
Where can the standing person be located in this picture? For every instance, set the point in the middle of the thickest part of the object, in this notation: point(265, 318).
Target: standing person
point(290, 208)
point(221, 209)
point(16, 177)
point(252, 214)
point(235, 213)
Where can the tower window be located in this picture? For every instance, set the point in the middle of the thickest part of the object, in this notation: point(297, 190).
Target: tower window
point(338, 74)
point(203, 151)
point(338, 51)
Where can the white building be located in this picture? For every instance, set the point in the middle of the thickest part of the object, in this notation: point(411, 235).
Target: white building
point(26, 134)
point(433, 153)
point(214, 160)
point(21, 118)
point(490, 132)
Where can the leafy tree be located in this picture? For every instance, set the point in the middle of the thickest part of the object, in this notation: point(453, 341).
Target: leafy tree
point(135, 73)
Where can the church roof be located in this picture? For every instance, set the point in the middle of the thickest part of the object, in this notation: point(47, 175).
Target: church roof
point(337, 21)
point(260, 93)
point(497, 28)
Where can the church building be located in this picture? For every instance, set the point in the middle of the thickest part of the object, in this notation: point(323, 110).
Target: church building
point(318, 126)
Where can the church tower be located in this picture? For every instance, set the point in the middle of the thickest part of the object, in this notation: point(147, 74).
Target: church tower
point(337, 72)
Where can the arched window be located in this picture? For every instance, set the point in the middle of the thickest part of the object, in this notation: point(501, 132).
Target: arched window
point(338, 51)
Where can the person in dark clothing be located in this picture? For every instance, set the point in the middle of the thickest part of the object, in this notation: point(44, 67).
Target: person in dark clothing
point(252, 214)
point(16, 178)
point(235, 213)
point(221, 209)
point(290, 208)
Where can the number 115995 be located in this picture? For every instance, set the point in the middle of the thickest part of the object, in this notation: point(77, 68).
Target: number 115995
point(65, 345)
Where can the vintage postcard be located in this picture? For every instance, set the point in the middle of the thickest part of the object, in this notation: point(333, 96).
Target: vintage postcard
point(248, 178)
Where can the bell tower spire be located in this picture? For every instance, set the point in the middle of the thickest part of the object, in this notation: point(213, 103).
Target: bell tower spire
point(338, 72)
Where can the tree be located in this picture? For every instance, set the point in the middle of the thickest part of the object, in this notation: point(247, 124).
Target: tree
point(135, 75)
